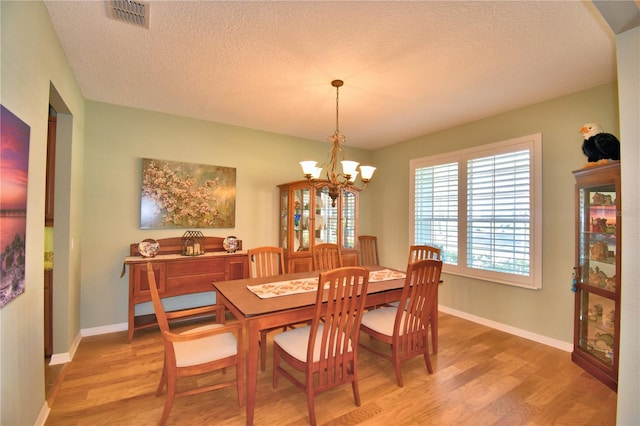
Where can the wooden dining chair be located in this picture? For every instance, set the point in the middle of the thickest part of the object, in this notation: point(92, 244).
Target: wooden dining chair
point(197, 351)
point(266, 261)
point(406, 330)
point(421, 252)
point(326, 256)
point(327, 350)
point(368, 250)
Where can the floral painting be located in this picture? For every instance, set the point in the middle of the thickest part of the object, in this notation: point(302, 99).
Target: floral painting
point(187, 195)
point(14, 168)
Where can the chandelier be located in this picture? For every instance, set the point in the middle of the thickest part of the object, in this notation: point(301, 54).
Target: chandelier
point(336, 181)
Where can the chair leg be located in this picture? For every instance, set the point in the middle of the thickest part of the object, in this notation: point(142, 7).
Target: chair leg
point(171, 396)
point(433, 322)
point(163, 380)
point(427, 361)
point(354, 385)
point(427, 358)
point(312, 408)
point(396, 367)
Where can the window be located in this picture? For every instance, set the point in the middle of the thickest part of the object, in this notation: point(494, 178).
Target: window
point(482, 207)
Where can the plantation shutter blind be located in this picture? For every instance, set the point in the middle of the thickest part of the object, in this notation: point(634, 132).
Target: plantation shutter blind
point(498, 213)
point(436, 209)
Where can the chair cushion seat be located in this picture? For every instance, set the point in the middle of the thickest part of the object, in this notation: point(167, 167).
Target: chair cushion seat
point(206, 349)
point(295, 342)
point(381, 320)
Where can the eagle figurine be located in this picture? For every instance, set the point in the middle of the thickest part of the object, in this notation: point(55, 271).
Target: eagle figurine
point(599, 146)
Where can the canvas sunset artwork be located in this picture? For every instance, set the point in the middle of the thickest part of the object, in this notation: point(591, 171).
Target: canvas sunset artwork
point(14, 167)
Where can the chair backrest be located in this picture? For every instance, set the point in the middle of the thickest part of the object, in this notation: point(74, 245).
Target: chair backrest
point(339, 306)
point(326, 256)
point(265, 261)
point(418, 297)
point(368, 250)
point(161, 316)
point(422, 252)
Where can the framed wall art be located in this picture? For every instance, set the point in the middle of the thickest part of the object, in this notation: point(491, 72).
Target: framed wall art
point(14, 173)
point(187, 195)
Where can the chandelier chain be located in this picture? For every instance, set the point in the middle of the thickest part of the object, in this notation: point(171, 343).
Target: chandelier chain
point(337, 111)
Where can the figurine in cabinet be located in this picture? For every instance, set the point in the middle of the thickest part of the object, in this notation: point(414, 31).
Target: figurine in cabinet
point(602, 200)
point(610, 283)
point(597, 278)
point(598, 224)
point(611, 320)
point(599, 251)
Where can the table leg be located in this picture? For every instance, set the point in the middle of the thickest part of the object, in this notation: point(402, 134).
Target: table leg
point(253, 336)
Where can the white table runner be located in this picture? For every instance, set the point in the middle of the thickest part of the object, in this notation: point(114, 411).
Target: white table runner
point(284, 288)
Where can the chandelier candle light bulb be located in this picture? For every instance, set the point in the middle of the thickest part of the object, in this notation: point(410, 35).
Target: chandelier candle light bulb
point(336, 182)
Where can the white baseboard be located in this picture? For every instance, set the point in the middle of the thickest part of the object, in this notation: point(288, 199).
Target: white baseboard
point(105, 329)
point(94, 331)
point(65, 357)
point(44, 414)
point(558, 344)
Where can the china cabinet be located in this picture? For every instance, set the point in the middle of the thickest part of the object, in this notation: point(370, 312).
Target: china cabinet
point(597, 272)
point(307, 217)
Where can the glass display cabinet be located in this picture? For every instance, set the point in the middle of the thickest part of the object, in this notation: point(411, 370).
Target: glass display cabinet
point(597, 272)
point(307, 217)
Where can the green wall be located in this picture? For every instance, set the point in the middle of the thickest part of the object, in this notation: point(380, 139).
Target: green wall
point(116, 140)
point(547, 312)
point(32, 63)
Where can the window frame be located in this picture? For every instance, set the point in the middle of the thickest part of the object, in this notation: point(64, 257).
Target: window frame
point(532, 143)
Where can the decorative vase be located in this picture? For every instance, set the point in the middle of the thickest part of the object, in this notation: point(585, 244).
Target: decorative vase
point(230, 244)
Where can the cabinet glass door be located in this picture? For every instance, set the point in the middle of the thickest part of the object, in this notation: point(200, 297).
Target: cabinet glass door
point(284, 215)
point(301, 219)
point(597, 256)
point(326, 218)
point(349, 220)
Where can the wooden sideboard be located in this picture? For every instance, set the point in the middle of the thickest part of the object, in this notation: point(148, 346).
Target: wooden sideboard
point(179, 275)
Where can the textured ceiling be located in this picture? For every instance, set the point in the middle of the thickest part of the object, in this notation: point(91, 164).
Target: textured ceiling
point(410, 68)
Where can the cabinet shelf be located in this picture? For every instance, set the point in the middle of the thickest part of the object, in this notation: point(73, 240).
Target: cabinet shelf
point(609, 294)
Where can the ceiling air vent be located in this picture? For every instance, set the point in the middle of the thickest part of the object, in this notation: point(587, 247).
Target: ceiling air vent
point(130, 11)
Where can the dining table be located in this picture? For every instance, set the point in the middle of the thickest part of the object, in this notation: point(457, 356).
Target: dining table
point(259, 305)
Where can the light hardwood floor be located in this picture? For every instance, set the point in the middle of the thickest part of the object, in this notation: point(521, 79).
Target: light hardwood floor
point(481, 377)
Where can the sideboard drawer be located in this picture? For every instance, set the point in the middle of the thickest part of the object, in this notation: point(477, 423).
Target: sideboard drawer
point(195, 267)
point(192, 283)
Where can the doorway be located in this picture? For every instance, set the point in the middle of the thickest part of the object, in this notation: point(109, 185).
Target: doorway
point(59, 298)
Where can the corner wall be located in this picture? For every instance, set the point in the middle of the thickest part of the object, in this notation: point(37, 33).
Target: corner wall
point(547, 312)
